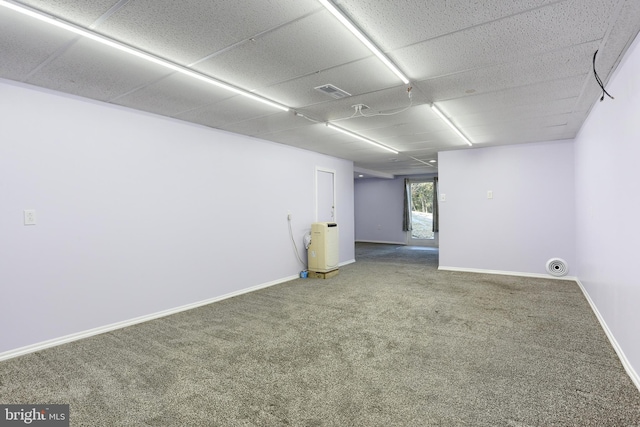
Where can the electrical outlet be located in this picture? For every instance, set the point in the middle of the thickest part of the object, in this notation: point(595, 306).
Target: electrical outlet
point(489, 194)
point(29, 217)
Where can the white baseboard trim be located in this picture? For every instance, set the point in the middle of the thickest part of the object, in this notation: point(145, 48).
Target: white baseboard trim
point(351, 261)
point(382, 242)
point(118, 325)
point(506, 273)
point(623, 358)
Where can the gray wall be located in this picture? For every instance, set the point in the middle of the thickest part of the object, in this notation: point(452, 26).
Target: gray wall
point(137, 214)
point(379, 209)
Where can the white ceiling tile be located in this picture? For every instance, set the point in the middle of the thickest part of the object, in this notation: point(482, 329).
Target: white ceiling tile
point(621, 36)
point(323, 139)
point(359, 77)
point(428, 140)
point(507, 113)
point(528, 70)
point(565, 23)
point(80, 12)
point(505, 136)
point(306, 137)
point(349, 151)
point(319, 138)
point(502, 136)
point(227, 111)
point(622, 33)
point(420, 114)
point(514, 97)
point(266, 125)
point(188, 30)
point(173, 95)
point(95, 71)
point(25, 43)
point(425, 155)
point(384, 101)
point(394, 24)
point(297, 49)
point(477, 133)
point(405, 129)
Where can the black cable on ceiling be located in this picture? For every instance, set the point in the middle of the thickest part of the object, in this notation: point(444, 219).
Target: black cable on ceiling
point(595, 73)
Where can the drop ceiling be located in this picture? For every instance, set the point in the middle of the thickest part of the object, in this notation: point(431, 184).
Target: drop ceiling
point(505, 72)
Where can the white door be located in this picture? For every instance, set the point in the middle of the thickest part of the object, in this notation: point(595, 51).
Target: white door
point(325, 195)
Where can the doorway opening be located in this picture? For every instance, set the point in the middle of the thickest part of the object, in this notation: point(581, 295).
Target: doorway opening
point(422, 211)
point(422, 204)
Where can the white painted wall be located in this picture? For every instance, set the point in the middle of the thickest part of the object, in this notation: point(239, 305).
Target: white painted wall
point(607, 150)
point(528, 221)
point(137, 213)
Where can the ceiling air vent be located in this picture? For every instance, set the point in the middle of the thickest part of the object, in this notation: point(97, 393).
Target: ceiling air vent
point(333, 91)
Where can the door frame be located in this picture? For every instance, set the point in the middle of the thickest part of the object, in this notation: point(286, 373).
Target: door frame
point(410, 241)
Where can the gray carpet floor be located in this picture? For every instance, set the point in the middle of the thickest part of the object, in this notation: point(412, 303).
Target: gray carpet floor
point(390, 341)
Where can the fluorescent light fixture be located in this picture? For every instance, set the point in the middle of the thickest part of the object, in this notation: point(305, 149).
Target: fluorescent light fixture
point(451, 125)
point(364, 39)
point(361, 138)
point(135, 52)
